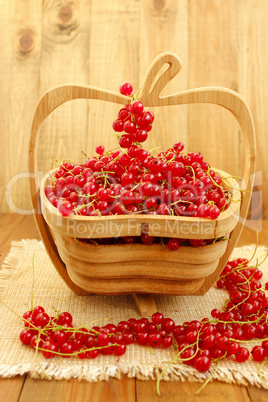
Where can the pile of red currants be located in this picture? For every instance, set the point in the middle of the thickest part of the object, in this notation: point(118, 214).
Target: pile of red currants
point(199, 343)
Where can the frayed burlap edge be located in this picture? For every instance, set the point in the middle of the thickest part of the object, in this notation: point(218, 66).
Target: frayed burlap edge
point(172, 372)
point(176, 372)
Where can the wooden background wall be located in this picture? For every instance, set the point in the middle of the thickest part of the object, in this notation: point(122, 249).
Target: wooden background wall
point(106, 42)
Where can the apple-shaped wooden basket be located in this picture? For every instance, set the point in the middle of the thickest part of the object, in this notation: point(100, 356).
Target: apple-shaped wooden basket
point(137, 268)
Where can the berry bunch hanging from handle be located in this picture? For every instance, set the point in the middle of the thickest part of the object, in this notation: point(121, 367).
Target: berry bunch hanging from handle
point(132, 120)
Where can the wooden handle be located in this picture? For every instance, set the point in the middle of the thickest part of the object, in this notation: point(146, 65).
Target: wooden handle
point(155, 80)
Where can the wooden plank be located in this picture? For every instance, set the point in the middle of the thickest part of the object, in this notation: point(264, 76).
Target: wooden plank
point(64, 58)
point(114, 47)
point(20, 42)
point(74, 390)
point(11, 388)
point(257, 394)
point(164, 27)
point(17, 227)
point(253, 80)
point(185, 391)
point(213, 61)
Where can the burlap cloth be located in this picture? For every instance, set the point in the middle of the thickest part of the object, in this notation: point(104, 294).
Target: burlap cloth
point(141, 362)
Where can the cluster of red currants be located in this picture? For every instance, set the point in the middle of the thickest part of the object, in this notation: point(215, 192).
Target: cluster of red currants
point(133, 120)
point(136, 182)
point(57, 336)
point(199, 343)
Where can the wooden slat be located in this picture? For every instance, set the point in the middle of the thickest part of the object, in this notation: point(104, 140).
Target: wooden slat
point(257, 394)
point(213, 61)
point(164, 27)
point(74, 390)
point(185, 391)
point(253, 79)
point(20, 43)
point(114, 47)
point(15, 227)
point(10, 388)
point(64, 58)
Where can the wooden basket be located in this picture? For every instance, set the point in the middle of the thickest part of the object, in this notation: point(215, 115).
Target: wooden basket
point(137, 268)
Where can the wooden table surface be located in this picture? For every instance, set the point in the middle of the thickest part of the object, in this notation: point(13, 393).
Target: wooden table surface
point(25, 389)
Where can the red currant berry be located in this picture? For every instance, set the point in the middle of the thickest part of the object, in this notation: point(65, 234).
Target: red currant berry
point(157, 318)
point(173, 244)
point(258, 353)
point(50, 348)
point(100, 149)
point(242, 355)
point(202, 363)
point(126, 88)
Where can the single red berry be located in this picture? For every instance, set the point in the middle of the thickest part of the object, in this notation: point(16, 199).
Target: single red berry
point(209, 341)
point(157, 318)
point(125, 141)
point(67, 349)
point(119, 350)
point(173, 244)
point(92, 354)
point(258, 353)
point(103, 338)
point(26, 336)
point(122, 326)
point(233, 348)
point(215, 313)
point(168, 325)
point(214, 211)
point(100, 149)
point(136, 107)
point(142, 338)
point(59, 337)
point(35, 340)
point(65, 207)
point(187, 356)
point(126, 88)
point(42, 320)
point(65, 318)
point(49, 347)
point(242, 355)
point(154, 340)
point(202, 363)
point(128, 337)
point(118, 126)
point(167, 341)
point(129, 127)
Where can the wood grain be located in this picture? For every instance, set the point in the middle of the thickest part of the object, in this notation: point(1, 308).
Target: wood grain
point(185, 391)
point(114, 58)
point(73, 390)
point(164, 27)
point(64, 58)
point(11, 388)
point(213, 60)
point(20, 45)
point(252, 31)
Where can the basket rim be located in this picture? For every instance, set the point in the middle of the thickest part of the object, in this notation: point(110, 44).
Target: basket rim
point(59, 222)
